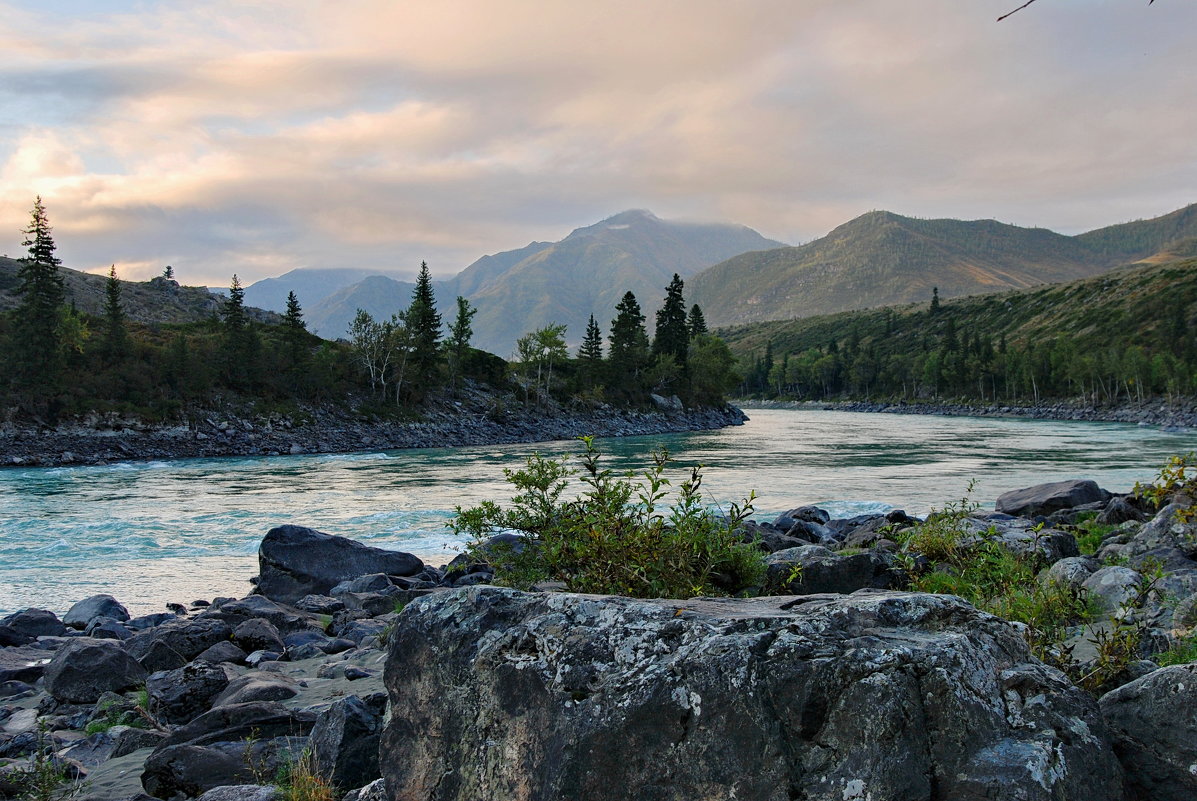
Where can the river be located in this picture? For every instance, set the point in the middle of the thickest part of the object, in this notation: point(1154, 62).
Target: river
point(155, 532)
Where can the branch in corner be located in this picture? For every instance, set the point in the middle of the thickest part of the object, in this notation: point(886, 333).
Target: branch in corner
point(1024, 5)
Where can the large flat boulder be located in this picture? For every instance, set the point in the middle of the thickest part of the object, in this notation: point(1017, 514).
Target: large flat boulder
point(1043, 499)
point(83, 670)
point(294, 561)
point(498, 694)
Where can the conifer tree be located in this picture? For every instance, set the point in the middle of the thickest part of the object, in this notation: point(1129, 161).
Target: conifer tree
point(591, 350)
point(294, 332)
point(424, 325)
point(934, 310)
point(672, 335)
point(696, 322)
point(240, 342)
point(42, 295)
point(629, 353)
point(116, 338)
point(460, 332)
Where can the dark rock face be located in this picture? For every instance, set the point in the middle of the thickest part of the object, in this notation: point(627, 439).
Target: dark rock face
point(1153, 723)
point(258, 635)
point(344, 741)
point(878, 695)
point(813, 569)
point(81, 671)
point(1043, 499)
point(178, 696)
point(88, 609)
point(188, 638)
point(189, 770)
point(238, 722)
point(24, 627)
point(23, 664)
point(295, 561)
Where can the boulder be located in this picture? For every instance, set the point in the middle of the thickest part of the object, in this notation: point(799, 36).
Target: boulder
point(180, 695)
point(257, 686)
point(242, 792)
point(1043, 499)
point(1170, 528)
point(294, 561)
point(24, 627)
point(105, 628)
point(188, 638)
point(257, 634)
point(344, 741)
point(238, 722)
point(223, 651)
point(374, 791)
point(1118, 511)
point(880, 695)
point(157, 655)
point(319, 604)
point(1112, 587)
point(257, 607)
point(88, 609)
point(1070, 572)
point(813, 569)
point(23, 664)
point(1153, 723)
point(190, 770)
point(83, 670)
point(374, 582)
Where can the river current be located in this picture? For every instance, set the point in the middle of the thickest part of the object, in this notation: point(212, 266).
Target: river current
point(154, 532)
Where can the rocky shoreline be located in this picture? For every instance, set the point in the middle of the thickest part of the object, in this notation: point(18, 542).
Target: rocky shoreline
point(328, 430)
point(1154, 413)
point(397, 681)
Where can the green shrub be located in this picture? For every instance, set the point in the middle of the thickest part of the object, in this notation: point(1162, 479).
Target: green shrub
point(1182, 653)
point(300, 780)
point(1177, 477)
point(617, 537)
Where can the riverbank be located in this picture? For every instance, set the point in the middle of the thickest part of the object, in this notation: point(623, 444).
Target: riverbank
point(470, 420)
point(1153, 413)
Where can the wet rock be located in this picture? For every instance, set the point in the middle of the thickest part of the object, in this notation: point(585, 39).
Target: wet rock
point(238, 722)
point(1153, 723)
point(295, 561)
point(83, 670)
point(878, 695)
point(88, 609)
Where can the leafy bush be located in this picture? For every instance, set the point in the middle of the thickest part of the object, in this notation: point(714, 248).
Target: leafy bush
point(616, 537)
point(1177, 477)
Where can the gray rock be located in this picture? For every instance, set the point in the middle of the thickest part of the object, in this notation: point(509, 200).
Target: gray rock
point(257, 686)
point(88, 609)
point(1112, 587)
point(105, 628)
point(257, 634)
point(374, 791)
point(223, 651)
point(1043, 499)
point(374, 582)
point(1185, 614)
point(1166, 530)
point(878, 695)
point(811, 514)
point(180, 695)
point(242, 792)
point(190, 770)
point(238, 722)
point(83, 670)
point(813, 569)
point(1118, 511)
point(157, 656)
point(24, 627)
point(284, 618)
point(295, 561)
point(344, 741)
point(23, 664)
point(319, 604)
point(1070, 572)
point(188, 638)
point(1153, 724)
point(130, 739)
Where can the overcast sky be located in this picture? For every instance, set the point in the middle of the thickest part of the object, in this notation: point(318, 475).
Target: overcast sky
point(259, 137)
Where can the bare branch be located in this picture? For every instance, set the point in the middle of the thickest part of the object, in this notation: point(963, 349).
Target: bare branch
point(1024, 5)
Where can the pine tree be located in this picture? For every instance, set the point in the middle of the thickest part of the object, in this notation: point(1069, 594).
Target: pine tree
point(934, 301)
point(459, 339)
point(591, 350)
point(628, 355)
point(116, 338)
point(696, 322)
point(240, 341)
point(295, 333)
point(672, 335)
point(42, 296)
point(424, 325)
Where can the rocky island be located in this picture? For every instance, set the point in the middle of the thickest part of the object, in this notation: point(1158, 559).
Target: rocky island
point(839, 677)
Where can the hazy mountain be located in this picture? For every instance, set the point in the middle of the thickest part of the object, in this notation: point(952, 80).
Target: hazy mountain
point(155, 301)
point(883, 258)
point(311, 285)
point(563, 282)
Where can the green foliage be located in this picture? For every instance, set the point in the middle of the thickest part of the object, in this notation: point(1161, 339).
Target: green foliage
point(617, 537)
point(1178, 477)
point(46, 778)
point(1183, 652)
point(1089, 533)
point(672, 337)
point(424, 327)
point(458, 346)
point(696, 322)
point(36, 322)
point(628, 355)
point(301, 780)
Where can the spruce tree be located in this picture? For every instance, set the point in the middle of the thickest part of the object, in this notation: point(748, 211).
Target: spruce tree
point(424, 325)
point(696, 322)
point(628, 355)
point(116, 339)
point(591, 350)
point(240, 342)
point(460, 332)
point(42, 295)
point(672, 335)
point(295, 333)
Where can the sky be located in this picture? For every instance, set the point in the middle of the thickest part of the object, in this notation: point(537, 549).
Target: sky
point(257, 137)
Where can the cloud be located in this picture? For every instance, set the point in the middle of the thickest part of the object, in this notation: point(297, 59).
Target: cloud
point(257, 137)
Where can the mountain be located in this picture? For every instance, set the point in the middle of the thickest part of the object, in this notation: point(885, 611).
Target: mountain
point(158, 300)
point(882, 258)
point(585, 273)
point(311, 285)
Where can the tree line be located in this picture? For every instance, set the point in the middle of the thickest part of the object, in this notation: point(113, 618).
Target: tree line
point(59, 361)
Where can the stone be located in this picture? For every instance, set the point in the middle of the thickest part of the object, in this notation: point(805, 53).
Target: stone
point(814, 569)
point(83, 670)
point(257, 607)
point(319, 604)
point(257, 686)
point(811, 514)
point(190, 770)
point(1153, 723)
point(295, 561)
point(238, 722)
point(1043, 499)
point(160, 656)
point(24, 627)
point(23, 664)
point(242, 792)
point(179, 696)
point(374, 791)
point(881, 695)
point(1170, 528)
point(344, 741)
point(374, 582)
point(1118, 511)
point(257, 634)
point(130, 739)
point(105, 628)
point(223, 651)
point(1069, 572)
point(1112, 587)
point(188, 638)
point(86, 610)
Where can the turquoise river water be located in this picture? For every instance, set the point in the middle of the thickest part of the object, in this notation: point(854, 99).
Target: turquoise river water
point(153, 532)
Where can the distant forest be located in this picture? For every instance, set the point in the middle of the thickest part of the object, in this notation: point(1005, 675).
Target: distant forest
point(59, 361)
point(1126, 336)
